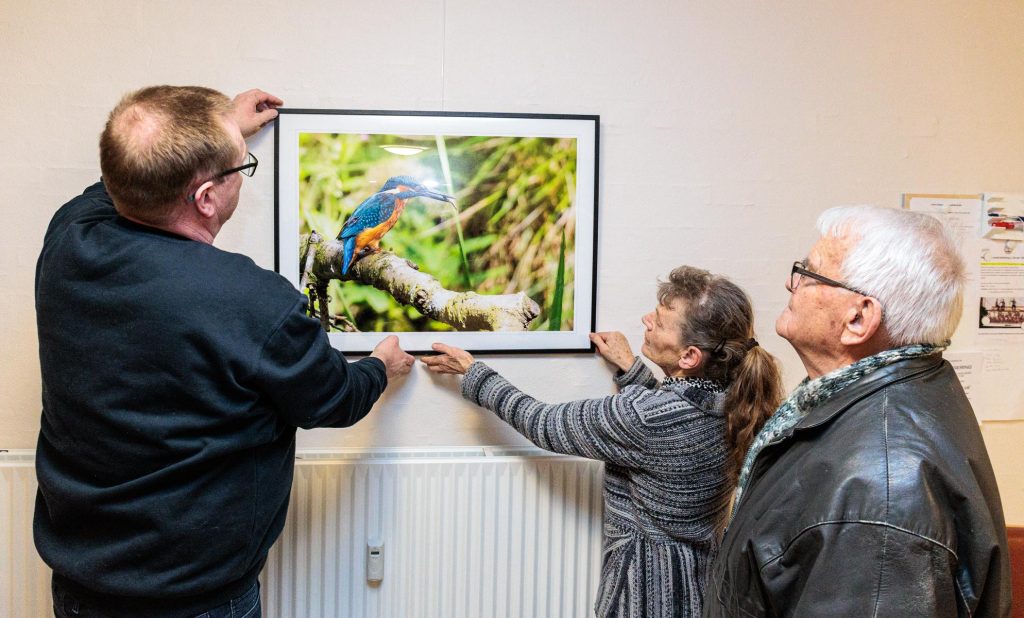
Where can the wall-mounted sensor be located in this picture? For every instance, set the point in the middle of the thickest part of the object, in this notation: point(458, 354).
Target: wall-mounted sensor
point(374, 561)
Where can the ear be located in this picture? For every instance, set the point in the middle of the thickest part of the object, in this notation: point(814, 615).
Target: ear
point(862, 322)
point(691, 359)
point(205, 200)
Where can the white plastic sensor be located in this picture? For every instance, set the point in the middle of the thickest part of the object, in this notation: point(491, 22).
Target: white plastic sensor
point(374, 561)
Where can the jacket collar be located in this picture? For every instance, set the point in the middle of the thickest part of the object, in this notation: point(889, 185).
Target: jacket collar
point(869, 384)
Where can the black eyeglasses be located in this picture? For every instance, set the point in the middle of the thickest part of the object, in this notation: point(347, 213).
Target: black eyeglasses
point(248, 168)
point(800, 270)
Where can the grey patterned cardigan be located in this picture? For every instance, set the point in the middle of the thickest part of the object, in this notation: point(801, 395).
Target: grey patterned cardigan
point(664, 483)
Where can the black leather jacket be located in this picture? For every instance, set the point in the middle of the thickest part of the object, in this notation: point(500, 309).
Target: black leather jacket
point(880, 502)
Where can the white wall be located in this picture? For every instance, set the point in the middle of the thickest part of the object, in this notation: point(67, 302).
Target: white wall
point(729, 126)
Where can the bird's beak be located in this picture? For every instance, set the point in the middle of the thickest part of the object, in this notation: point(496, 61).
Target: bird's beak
point(434, 195)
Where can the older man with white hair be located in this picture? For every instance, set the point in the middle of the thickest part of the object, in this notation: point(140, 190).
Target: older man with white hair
point(869, 492)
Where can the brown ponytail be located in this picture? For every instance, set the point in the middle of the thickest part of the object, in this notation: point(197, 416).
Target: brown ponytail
point(719, 320)
point(754, 393)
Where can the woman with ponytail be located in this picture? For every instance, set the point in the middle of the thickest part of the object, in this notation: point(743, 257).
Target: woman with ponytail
point(672, 449)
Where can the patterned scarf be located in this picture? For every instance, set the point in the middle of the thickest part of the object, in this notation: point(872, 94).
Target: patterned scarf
point(809, 394)
point(707, 384)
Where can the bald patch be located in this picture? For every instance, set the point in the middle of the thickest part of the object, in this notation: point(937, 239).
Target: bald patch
point(139, 128)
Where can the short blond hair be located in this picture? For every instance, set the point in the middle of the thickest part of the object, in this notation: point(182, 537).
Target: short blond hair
point(158, 141)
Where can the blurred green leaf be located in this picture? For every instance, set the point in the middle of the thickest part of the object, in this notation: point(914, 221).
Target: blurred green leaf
point(555, 315)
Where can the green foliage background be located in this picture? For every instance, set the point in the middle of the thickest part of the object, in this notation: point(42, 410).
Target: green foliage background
point(515, 199)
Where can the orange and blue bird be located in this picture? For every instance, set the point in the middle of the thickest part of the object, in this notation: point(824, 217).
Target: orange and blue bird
point(375, 217)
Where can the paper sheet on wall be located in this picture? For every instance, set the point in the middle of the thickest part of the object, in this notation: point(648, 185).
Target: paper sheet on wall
point(1001, 298)
point(988, 357)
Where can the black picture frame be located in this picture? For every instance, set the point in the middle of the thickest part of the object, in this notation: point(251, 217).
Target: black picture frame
point(322, 175)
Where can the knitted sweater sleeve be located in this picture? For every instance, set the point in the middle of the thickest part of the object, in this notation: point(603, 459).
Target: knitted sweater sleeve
point(609, 429)
point(638, 374)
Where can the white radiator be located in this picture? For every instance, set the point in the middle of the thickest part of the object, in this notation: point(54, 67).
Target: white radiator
point(24, 579)
point(472, 532)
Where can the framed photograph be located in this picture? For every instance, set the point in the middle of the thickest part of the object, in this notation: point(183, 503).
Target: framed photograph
point(473, 229)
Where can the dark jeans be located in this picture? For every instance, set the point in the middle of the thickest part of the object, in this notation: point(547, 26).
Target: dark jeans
point(246, 605)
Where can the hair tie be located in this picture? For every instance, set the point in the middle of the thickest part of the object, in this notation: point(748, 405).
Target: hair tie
point(751, 344)
point(718, 348)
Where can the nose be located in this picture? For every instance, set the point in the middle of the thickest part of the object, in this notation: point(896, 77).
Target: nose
point(789, 284)
point(647, 321)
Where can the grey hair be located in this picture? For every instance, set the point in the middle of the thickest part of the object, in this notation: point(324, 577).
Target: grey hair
point(909, 262)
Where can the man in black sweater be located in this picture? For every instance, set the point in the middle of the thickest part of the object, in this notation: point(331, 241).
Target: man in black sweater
point(174, 374)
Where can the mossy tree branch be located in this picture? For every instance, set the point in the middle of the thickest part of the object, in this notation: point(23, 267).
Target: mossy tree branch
point(321, 259)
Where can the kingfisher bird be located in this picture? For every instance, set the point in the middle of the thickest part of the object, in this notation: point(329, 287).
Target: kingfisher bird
point(375, 217)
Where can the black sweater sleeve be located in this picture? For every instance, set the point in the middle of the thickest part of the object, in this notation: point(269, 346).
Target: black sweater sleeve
point(311, 383)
